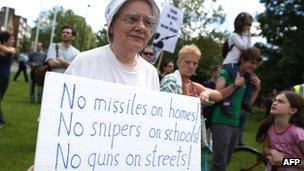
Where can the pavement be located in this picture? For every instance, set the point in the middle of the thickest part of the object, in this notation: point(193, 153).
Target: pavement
point(14, 67)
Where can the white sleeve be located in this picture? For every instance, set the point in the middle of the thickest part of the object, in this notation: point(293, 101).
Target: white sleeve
point(242, 42)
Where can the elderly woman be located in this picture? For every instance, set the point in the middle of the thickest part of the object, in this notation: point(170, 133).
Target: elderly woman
point(7, 50)
point(131, 24)
point(179, 82)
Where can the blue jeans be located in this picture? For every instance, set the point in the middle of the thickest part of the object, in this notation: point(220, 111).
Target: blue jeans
point(242, 123)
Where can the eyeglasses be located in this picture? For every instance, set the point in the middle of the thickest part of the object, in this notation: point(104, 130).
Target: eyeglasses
point(148, 53)
point(133, 19)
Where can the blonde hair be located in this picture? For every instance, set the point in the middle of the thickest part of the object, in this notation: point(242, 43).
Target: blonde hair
point(189, 51)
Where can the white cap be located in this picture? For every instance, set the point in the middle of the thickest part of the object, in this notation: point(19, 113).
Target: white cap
point(115, 5)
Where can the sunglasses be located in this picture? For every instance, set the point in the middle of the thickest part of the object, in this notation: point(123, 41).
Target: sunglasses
point(133, 19)
point(148, 53)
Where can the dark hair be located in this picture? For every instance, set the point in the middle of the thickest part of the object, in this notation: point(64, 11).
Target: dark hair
point(251, 54)
point(4, 36)
point(295, 101)
point(215, 67)
point(164, 64)
point(69, 27)
point(241, 20)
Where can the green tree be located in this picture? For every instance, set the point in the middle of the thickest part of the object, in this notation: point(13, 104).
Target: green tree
point(85, 36)
point(198, 14)
point(101, 37)
point(282, 25)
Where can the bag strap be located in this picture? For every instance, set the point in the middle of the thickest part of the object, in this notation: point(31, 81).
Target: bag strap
point(230, 47)
point(57, 47)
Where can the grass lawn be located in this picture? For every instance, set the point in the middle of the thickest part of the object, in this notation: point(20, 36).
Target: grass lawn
point(18, 138)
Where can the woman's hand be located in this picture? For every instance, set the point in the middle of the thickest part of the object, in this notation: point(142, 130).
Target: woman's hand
point(204, 96)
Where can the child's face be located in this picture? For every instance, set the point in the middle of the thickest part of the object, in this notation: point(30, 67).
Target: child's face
point(281, 106)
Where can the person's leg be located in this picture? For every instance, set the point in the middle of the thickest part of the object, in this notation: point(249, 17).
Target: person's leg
point(18, 72)
point(3, 88)
point(32, 85)
point(242, 123)
point(248, 94)
point(220, 137)
point(24, 72)
point(40, 90)
point(232, 69)
point(233, 139)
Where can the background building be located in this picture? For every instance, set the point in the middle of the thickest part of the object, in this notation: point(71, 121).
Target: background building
point(16, 25)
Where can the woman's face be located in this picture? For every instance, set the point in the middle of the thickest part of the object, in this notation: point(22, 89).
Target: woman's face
point(11, 41)
point(132, 26)
point(187, 66)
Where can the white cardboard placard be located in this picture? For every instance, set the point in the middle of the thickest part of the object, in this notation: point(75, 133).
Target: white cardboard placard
point(92, 125)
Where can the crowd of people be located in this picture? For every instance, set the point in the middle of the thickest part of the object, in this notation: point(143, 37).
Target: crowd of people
point(233, 85)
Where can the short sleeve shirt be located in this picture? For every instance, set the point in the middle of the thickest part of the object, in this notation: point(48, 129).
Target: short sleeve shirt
point(67, 53)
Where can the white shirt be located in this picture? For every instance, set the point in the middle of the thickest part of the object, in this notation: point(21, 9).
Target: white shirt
point(240, 42)
point(102, 64)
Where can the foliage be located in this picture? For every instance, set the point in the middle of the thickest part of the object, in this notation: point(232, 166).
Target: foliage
point(85, 36)
point(101, 37)
point(198, 15)
point(281, 25)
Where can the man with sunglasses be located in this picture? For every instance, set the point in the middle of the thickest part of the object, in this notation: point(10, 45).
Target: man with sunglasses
point(147, 53)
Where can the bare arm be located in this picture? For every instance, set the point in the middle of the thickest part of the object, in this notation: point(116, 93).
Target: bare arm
point(7, 50)
point(64, 62)
point(274, 157)
point(206, 94)
point(301, 146)
point(226, 91)
point(58, 62)
point(55, 63)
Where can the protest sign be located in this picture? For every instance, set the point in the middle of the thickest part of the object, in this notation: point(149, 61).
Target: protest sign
point(93, 125)
point(167, 32)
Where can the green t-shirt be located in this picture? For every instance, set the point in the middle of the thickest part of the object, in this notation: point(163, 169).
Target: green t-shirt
point(218, 116)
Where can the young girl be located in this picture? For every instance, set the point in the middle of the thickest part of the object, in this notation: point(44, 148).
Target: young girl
point(238, 41)
point(282, 132)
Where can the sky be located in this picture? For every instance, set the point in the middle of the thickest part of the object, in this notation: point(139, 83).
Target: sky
point(94, 14)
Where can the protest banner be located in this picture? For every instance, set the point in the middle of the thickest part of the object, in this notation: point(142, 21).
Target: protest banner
point(166, 36)
point(93, 125)
point(167, 32)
